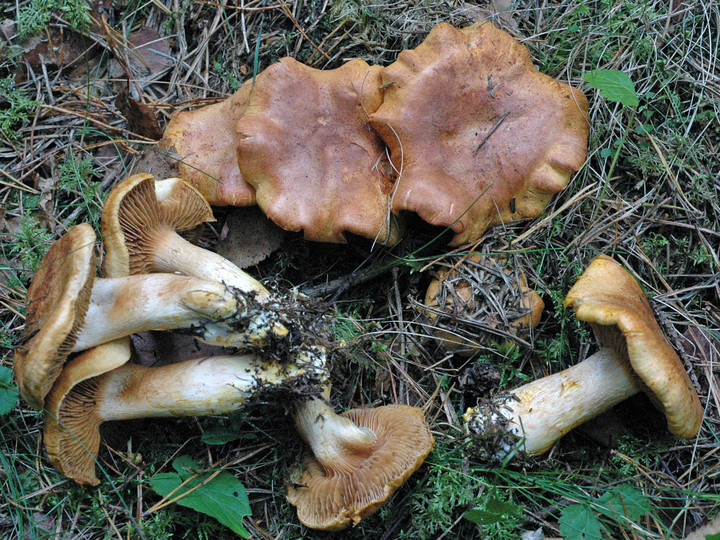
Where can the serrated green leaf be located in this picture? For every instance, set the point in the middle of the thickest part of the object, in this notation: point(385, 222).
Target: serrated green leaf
point(613, 86)
point(223, 497)
point(578, 522)
point(715, 536)
point(624, 500)
point(8, 391)
point(219, 435)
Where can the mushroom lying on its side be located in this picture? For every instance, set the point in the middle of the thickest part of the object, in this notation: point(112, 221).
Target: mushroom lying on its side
point(69, 310)
point(141, 220)
point(86, 395)
point(635, 357)
point(359, 459)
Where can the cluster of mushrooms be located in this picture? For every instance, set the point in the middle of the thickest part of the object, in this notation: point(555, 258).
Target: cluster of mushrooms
point(74, 361)
point(462, 130)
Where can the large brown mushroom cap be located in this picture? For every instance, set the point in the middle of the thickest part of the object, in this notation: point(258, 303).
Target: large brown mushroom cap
point(134, 219)
point(56, 301)
point(475, 126)
point(206, 144)
point(357, 486)
point(622, 318)
point(307, 151)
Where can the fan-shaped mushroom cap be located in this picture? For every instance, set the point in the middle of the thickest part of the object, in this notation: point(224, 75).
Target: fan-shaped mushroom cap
point(141, 221)
point(56, 301)
point(206, 144)
point(307, 151)
point(458, 302)
point(622, 318)
point(356, 486)
point(135, 218)
point(73, 445)
point(475, 126)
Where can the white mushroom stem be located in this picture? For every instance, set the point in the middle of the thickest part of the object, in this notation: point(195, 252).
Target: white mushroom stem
point(214, 385)
point(123, 306)
point(331, 437)
point(534, 416)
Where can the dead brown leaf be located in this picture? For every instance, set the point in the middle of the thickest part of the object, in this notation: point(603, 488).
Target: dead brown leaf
point(146, 54)
point(141, 119)
point(249, 236)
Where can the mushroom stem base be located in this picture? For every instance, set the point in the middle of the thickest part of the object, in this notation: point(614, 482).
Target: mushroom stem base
point(532, 417)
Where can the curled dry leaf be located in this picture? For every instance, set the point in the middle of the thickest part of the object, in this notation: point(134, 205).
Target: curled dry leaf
point(141, 119)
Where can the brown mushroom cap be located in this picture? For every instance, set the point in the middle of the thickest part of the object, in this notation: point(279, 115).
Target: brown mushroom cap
point(481, 292)
point(622, 311)
point(206, 143)
point(72, 438)
point(475, 126)
point(353, 488)
point(56, 301)
point(307, 151)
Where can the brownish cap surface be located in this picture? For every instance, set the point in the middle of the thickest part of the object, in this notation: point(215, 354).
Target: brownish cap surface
point(309, 154)
point(134, 217)
point(474, 125)
point(72, 437)
point(205, 142)
point(481, 292)
point(56, 301)
point(611, 300)
point(357, 487)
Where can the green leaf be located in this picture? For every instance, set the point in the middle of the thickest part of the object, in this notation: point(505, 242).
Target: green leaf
point(8, 391)
point(481, 517)
point(613, 85)
point(220, 435)
point(715, 536)
point(578, 522)
point(493, 512)
point(624, 500)
point(223, 497)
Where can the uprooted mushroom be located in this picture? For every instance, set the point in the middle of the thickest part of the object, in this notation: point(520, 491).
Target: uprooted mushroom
point(359, 460)
point(87, 394)
point(635, 356)
point(70, 310)
point(479, 135)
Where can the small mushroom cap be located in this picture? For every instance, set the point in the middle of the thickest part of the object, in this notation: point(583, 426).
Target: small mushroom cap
point(355, 488)
point(481, 292)
point(307, 151)
point(206, 144)
point(138, 211)
point(56, 301)
point(481, 135)
point(609, 298)
point(72, 437)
